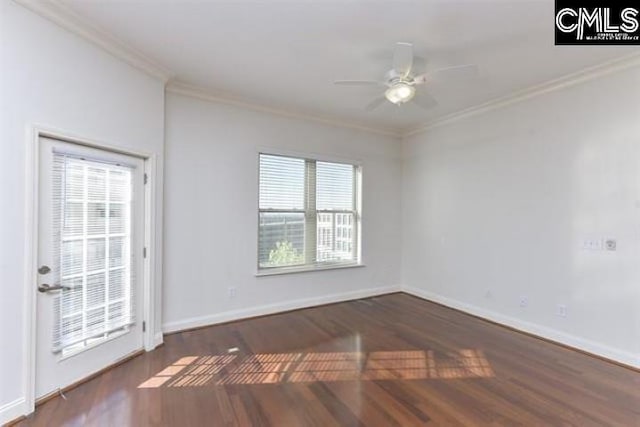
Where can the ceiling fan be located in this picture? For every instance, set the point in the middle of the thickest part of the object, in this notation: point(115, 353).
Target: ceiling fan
point(401, 82)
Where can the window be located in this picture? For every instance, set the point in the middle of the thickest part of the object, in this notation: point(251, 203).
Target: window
point(308, 213)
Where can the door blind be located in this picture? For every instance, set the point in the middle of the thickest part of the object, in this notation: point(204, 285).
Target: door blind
point(93, 260)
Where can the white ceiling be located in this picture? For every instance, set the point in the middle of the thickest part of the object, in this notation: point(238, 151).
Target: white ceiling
point(286, 54)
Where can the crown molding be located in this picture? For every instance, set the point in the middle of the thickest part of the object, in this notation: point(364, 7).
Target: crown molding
point(186, 89)
point(584, 75)
point(62, 15)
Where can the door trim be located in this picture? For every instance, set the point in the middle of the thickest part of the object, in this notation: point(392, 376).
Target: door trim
point(150, 293)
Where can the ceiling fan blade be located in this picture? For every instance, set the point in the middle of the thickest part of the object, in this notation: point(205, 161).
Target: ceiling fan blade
point(403, 58)
point(357, 83)
point(425, 101)
point(457, 72)
point(375, 103)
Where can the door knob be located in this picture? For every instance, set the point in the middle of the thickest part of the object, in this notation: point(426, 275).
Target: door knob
point(48, 288)
point(44, 269)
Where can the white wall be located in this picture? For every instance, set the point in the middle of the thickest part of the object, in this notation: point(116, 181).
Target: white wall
point(502, 201)
point(53, 78)
point(211, 213)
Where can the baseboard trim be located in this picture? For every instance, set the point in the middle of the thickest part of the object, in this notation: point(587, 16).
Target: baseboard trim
point(158, 340)
point(263, 310)
point(12, 412)
point(591, 348)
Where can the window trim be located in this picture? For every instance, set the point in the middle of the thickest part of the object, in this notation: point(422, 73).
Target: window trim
point(311, 220)
point(305, 268)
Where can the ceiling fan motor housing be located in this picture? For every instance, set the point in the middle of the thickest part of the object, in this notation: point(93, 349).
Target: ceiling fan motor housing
point(392, 77)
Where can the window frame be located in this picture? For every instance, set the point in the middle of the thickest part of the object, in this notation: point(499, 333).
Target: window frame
point(311, 217)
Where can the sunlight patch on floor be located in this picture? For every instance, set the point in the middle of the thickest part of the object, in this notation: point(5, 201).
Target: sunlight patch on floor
point(276, 368)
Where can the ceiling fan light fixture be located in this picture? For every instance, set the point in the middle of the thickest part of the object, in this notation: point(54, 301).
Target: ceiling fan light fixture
point(400, 93)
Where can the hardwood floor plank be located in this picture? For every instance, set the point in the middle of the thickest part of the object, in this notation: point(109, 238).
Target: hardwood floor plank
point(393, 360)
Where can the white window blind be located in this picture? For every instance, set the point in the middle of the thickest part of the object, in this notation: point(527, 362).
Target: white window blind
point(336, 211)
point(307, 212)
point(282, 211)
point(281, 183)
point(92, 203)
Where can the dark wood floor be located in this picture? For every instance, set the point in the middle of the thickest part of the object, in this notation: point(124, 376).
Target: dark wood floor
point(393, 360)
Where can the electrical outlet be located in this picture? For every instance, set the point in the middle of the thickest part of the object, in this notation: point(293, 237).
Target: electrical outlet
point(232, 292)
point(562, 310)
point(524, 301)
point(610, 244)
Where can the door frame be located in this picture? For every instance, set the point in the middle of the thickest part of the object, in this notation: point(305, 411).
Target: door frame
point(149, 293)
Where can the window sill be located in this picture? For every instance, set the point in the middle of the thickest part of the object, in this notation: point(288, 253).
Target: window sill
point(304, 269)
